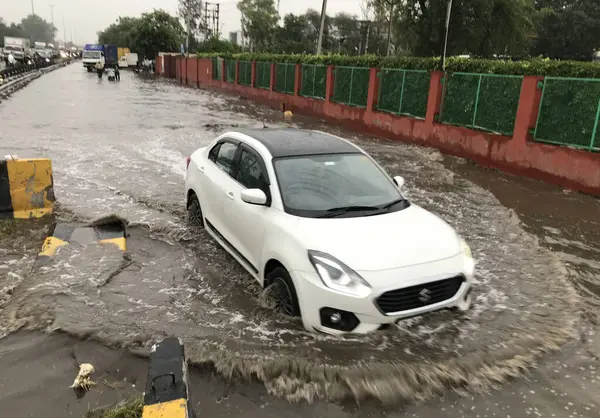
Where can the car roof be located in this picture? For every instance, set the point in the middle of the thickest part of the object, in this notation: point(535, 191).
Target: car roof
point(291, 142)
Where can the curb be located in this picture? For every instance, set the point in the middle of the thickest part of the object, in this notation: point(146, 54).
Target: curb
point(26, 188)
point(167, 393)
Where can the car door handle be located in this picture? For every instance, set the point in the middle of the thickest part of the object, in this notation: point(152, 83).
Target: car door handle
point(201, 170)
point(230, 195)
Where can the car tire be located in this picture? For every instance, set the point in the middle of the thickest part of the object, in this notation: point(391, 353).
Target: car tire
point(282, 287)
point(195, 211)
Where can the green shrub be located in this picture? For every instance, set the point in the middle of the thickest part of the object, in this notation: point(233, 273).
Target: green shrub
point(534, 66)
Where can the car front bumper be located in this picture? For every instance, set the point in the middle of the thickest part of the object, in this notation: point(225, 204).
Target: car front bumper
point(362, 315)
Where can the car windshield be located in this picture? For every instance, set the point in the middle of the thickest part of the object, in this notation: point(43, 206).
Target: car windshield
point(91, 54)
point(341, 184)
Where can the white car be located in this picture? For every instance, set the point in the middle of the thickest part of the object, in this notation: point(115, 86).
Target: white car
point(316, 218)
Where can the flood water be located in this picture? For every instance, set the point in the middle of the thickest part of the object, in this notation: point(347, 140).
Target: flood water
point(121, 147)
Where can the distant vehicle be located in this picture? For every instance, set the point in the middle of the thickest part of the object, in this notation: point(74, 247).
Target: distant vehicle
point(40, 48)
point(123, 52)
point(315, 219)
point(92, 54)
point(18, 47)
point(130, 60)
point(596, 56)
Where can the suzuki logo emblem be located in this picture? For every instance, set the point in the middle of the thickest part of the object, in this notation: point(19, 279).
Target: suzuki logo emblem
point(424, 295)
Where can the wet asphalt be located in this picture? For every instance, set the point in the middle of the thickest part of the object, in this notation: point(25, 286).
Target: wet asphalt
point(120, 148)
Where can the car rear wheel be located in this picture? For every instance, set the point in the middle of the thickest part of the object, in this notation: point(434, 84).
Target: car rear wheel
point(283, 290)
point(195, 211)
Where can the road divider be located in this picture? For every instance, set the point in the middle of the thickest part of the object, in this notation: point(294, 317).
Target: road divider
point(26, 188)
point(109, 230)
point(167, 388)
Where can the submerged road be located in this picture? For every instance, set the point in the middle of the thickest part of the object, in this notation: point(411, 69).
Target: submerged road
point(121, 148)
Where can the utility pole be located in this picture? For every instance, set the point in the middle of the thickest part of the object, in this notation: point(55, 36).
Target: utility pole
point(205, 21)
point(52, 19)
point(322, 27)
point(32, 9)
point(446, 37)
point(217, 27)
point(64, 32)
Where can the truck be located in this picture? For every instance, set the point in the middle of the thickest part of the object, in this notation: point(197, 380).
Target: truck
point(92, 53)
point(18, 47)
point(123, 52)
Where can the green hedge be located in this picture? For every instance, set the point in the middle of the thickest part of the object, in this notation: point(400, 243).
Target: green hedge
point(536, 66)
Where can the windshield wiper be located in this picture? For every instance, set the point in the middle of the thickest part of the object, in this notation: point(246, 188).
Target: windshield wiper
point(392, 203)
point(333, 212)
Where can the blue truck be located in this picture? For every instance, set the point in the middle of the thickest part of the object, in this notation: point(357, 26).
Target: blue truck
point(92, 53)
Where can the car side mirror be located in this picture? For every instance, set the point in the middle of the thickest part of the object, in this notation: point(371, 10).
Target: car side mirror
point(254, 197)
point(399, 180)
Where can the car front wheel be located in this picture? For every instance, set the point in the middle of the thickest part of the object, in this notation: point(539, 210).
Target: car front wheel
point(195, 211)
point(283, 290)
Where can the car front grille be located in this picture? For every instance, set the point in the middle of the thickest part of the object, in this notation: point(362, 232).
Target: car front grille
point(418, 296)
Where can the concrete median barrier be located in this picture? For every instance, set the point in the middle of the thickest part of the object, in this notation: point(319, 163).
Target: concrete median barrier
point(26, 188)
point(110, 230)
point(167, 389)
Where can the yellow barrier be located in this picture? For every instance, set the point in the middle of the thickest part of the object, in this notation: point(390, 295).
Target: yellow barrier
point(109, 230)
point(26, 188)
point(167, 388)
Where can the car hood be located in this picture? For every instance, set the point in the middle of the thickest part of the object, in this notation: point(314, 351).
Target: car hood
point(398, 239)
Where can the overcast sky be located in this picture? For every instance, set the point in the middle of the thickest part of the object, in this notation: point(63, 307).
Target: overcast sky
point(84, 18)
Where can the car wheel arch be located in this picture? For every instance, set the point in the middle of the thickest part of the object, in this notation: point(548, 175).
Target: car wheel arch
point(270, 265)
point(190, 193)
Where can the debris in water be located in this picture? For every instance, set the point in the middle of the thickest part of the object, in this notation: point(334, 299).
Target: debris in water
point(83, 380)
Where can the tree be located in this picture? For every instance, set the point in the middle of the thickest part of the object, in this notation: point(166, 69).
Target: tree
point(155, 32)
point(567, 29)
point(347, 33)
point(32, 27)
point(215, 44)
point(37, 29)
point(147, 35)
point(477, 27)
point(119, 33)
point(295, 36)
point(191, 13)
point(259, 23)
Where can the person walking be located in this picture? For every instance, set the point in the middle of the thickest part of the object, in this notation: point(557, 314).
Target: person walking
point(100, 68)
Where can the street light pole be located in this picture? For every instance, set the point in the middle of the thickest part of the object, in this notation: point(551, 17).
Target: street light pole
point(322, 28)
point(52, 18)
point(389, 39)
point(446, 38)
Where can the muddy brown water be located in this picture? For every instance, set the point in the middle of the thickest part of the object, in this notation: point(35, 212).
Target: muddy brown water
point(121, 148)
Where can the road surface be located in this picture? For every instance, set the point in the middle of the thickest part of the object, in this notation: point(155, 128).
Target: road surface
point(121, 148)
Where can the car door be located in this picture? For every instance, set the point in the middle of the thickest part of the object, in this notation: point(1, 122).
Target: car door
point(247, 222)
point(216, 174)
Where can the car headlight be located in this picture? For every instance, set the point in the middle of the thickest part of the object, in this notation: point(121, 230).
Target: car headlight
point(465, 248)
point(337, 276)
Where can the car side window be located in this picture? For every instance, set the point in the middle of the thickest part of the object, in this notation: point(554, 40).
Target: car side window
point(250, 172)
point(225, 156)
point(212, 155)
